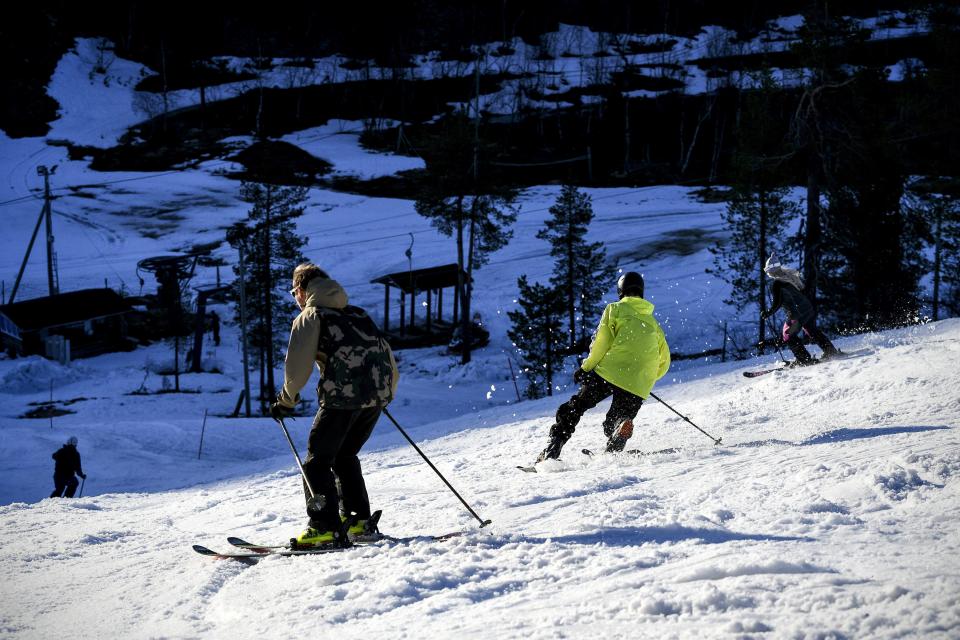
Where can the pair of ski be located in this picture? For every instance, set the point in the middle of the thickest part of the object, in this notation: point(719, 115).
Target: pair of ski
point(843, 355)
point(629, 452)
point(250, 551)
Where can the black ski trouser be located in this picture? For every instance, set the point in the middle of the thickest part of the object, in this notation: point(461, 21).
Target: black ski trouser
point(64, 482)
point(335, 440)
point(593, 390)
point(791, 337)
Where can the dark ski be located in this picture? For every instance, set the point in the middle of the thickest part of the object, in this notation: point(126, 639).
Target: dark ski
point(633, 452)
point(247, 555)
point(843, 355)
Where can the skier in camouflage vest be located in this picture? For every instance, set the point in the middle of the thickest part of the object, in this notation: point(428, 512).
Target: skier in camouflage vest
point(358, 379)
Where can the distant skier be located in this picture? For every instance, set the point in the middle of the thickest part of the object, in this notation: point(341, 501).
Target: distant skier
point(67, 464)
point(787, 292)
point(215, 325)
point(628, 355)
point(358, 379)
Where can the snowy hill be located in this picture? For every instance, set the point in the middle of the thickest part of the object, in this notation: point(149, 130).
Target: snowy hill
point(829, 511)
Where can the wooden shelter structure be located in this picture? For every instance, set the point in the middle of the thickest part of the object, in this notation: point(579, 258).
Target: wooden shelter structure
point(432, 280)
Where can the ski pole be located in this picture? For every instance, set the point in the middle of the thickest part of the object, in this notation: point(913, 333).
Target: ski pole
point(776, 341)
point(483, 522)
point(82, 482)
point(715, 440)
point(316, 501)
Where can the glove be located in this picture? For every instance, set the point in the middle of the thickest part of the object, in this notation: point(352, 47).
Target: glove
point(579, 375)
point(279, 412)
point(83, 475)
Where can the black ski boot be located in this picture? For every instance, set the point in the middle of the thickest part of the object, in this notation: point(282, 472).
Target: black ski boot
point(618, 439)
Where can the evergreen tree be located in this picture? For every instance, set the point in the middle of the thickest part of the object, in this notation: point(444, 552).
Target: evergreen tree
point(940, 213)
point(759, 211)
point(272, 250)
point(538, 335)
point(579, 265)
point(816, 125)
point(872, 251)
point(475, 213)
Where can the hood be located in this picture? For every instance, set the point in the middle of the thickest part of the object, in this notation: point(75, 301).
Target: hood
point(777, 271)
point(639, 305)
point(326, 292)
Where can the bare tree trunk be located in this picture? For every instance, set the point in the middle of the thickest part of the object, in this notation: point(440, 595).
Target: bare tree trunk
point(461, 284)
point(549, 359)
point(761, 276)
point(163, 90)
point(937, 250)
point(812, 238)
point(467, 320)
point(268, 294)
point(570, 291)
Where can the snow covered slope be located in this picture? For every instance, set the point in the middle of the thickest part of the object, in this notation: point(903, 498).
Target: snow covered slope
point(830, 511)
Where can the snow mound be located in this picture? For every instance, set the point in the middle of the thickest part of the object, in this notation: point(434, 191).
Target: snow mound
point(35, 373)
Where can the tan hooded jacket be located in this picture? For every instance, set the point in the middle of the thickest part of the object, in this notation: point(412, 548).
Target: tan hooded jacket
point(302, 349)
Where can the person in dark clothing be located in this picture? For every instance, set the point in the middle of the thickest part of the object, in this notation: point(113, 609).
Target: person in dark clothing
point(787, 293)
point(215, 321)
point(358, 379)
point(67, 464)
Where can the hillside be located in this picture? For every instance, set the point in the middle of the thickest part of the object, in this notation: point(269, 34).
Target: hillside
point(829, 511)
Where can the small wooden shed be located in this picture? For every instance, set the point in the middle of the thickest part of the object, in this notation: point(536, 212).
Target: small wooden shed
point(432, 280)
point(93, 321)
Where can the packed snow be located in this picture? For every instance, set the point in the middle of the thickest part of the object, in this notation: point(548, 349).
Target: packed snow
point(828, 510)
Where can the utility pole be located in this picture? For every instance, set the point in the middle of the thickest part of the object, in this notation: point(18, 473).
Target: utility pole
point(52, 281)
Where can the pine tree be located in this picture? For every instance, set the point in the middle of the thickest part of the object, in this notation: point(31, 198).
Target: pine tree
point(940, 214)
point(757, 219)
point(579, 265)
point(759, 211)
point(872, 256)
point(476, 213)
point(272, 252)
point(538, 336)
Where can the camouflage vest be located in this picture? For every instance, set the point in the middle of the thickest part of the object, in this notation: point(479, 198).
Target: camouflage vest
point(358, 372)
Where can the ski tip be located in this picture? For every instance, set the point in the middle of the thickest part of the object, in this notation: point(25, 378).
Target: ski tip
point(238, 542)
point(202, 550)
point(530, 469)
point(586, 452)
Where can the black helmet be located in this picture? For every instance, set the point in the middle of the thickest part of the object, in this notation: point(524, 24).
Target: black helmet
point(630, 284)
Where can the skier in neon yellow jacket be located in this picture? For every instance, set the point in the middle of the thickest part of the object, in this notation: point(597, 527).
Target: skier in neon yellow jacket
point(628, 355)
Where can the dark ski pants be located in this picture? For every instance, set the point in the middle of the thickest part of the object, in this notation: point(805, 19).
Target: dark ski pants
point(335, 440)
point(64, 482)
point(592, 391)
point(791, 337)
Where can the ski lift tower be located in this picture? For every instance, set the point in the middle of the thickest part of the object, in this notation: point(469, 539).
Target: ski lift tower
point(172, 273)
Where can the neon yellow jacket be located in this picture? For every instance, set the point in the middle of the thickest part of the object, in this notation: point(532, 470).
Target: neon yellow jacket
point(629, 349)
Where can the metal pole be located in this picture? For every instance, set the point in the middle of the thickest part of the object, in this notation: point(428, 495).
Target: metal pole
point(482, 522)
point(513, 377)
point(26, 257)
point(51, 286)
point(202, 430)
point(715, 440)
point(776, 339)
point(83, 481)
point(243, 328)
point(314, 499)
